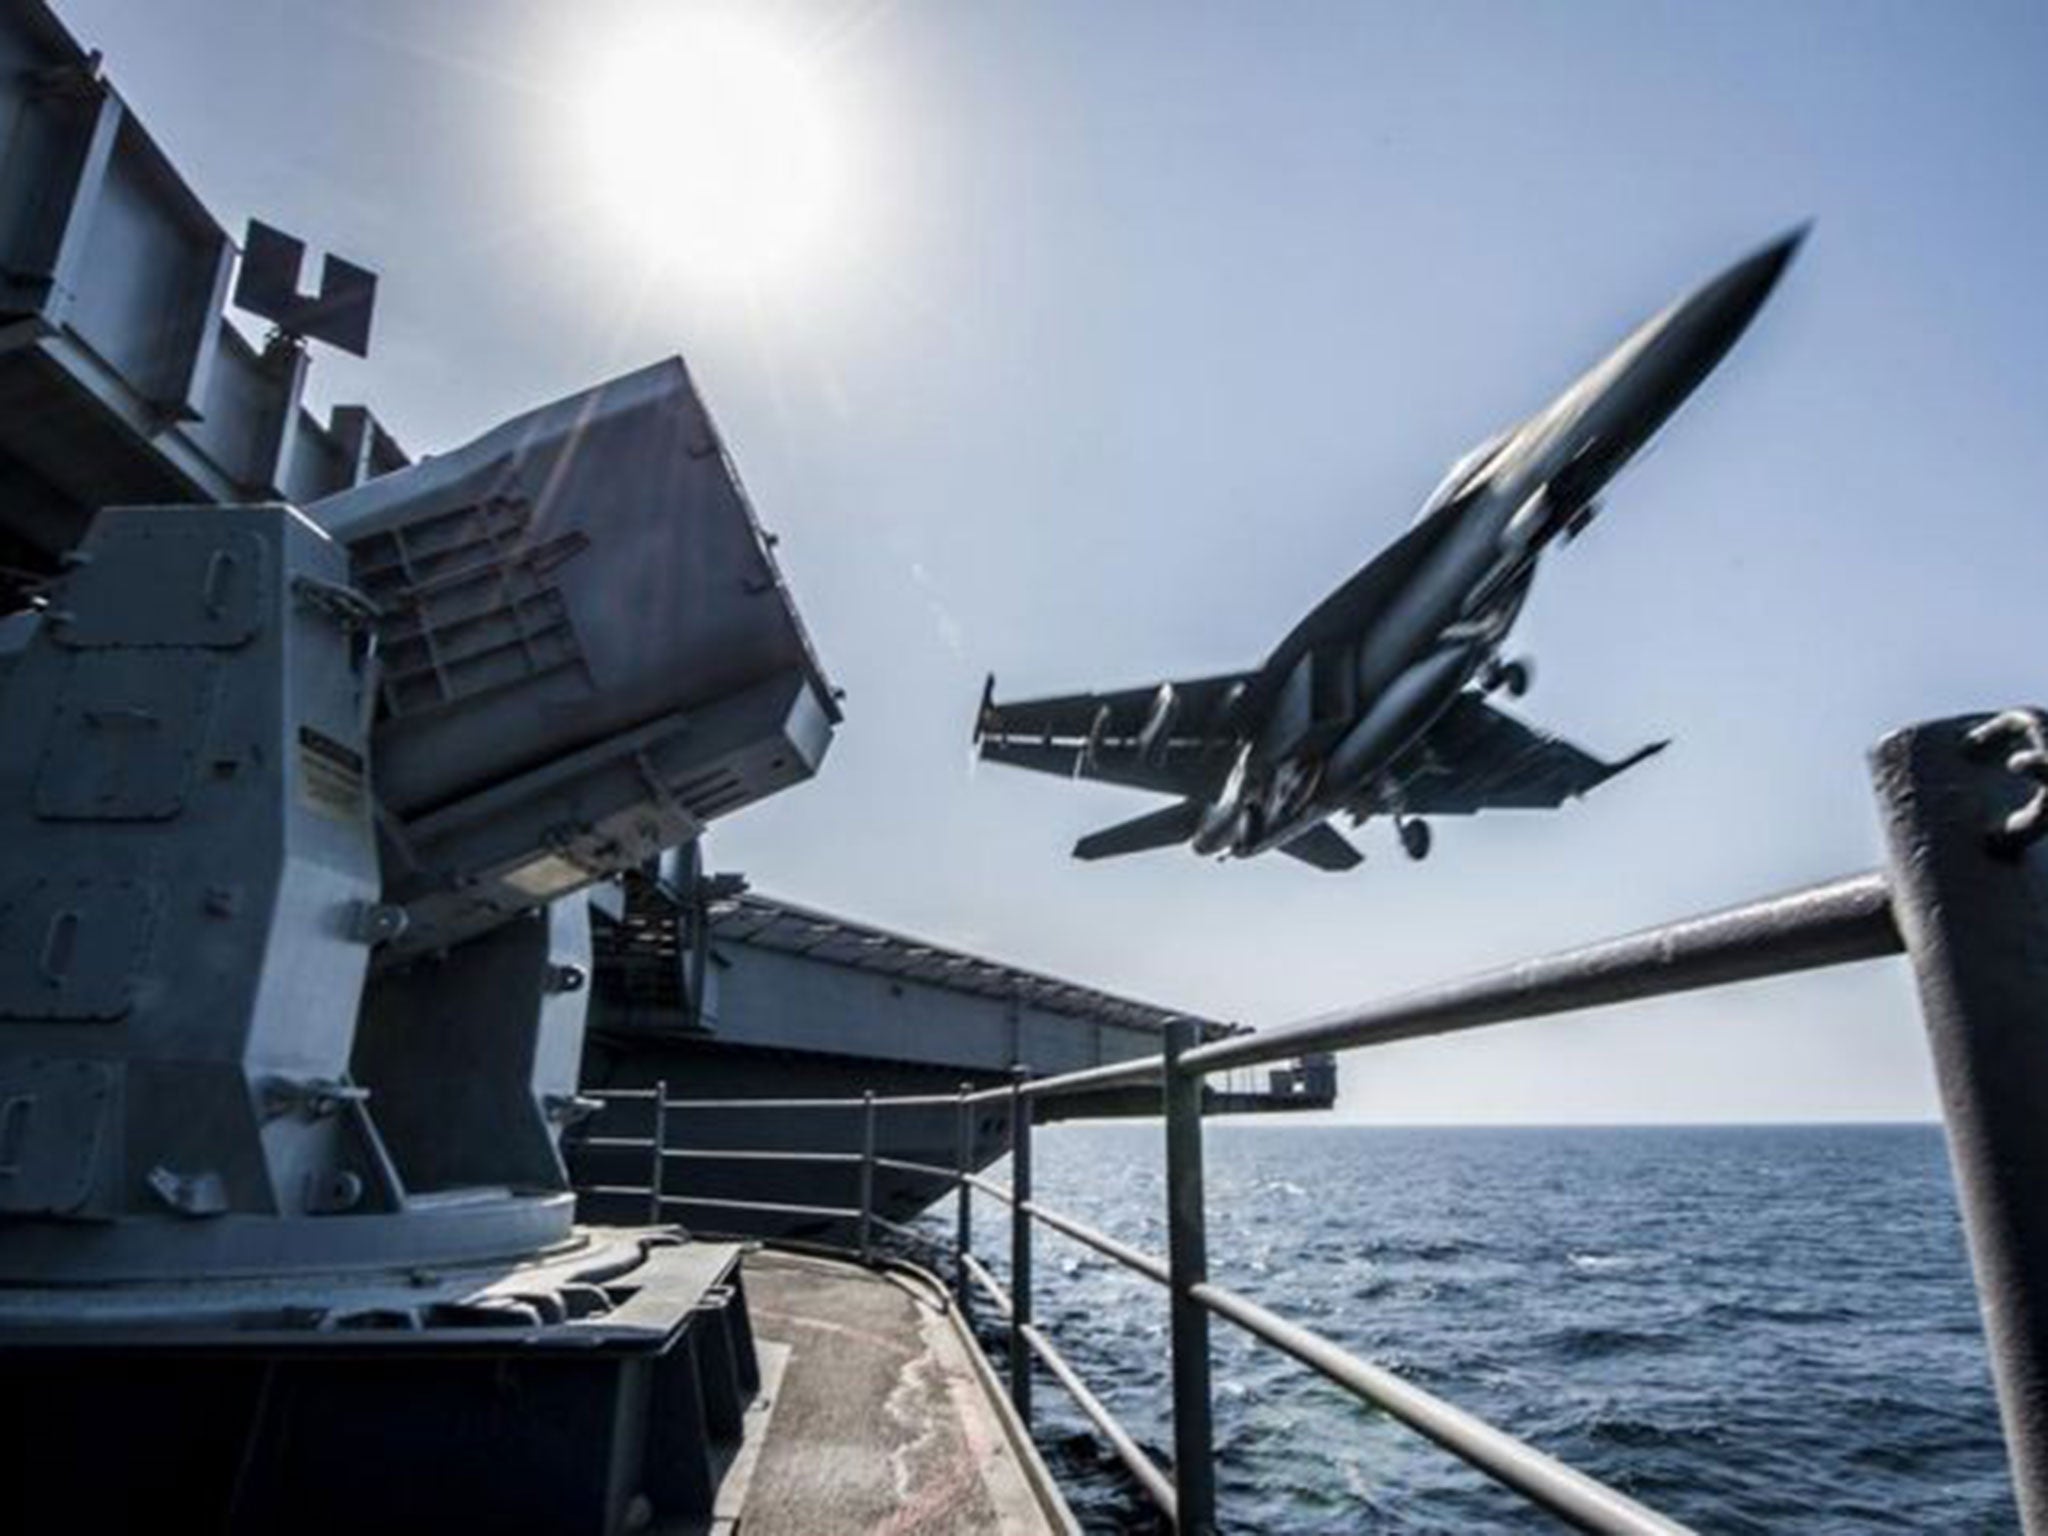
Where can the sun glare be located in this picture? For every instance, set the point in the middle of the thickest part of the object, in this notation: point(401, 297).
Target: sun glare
point(711, 148)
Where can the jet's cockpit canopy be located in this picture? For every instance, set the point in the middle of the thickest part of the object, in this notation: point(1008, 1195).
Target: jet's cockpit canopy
point(1464, 473)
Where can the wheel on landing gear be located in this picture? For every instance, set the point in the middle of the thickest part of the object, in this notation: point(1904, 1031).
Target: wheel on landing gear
point(1414, 838)
point(1515, 676)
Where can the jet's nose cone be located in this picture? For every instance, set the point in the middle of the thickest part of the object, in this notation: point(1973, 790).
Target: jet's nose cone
point(1705, 325)
point(1733, 298)
point(1763, 269)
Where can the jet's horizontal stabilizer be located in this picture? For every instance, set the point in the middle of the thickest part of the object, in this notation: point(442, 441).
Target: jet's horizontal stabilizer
point(1155, 829)
point(1325, 847)
point(1637, 756)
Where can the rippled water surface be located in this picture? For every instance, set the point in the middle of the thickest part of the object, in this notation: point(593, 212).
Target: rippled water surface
point(1754, 1329)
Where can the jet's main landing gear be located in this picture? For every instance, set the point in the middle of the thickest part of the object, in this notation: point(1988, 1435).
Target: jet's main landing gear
point(1515, 676)
point(1414, 837)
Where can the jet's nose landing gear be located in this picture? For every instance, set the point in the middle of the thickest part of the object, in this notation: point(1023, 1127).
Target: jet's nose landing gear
point(1414, 837)
point(1515, 676)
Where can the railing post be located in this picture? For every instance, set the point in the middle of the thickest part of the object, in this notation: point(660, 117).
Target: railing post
point(1969, 886)
point(867, 1177)
point(1020, 1246)
point(660, 1133)
point(963, 1164)
point(1187, 1252)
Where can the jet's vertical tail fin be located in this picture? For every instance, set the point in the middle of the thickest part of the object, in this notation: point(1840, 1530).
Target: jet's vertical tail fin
point(1155, 829)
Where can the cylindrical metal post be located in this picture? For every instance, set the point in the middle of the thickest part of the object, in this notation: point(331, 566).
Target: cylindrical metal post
point(1020, 1247)
point(867, 1177)
point(963, 1164)
point(1187, 1252)
point(1971, 899)
point(660, 1151)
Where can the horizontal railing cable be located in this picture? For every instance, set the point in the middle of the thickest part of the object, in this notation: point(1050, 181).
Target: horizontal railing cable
point(1101, 1242)
point(988, 1187)
point(1139, 1465)
point(763, 1155)
point(928, 1170)
point(900, 1101)
point(1572, 1496)
point(1834, 923)
point(991, 1287)
point(1136, 1462)
point(1830, 924)
point(1117, 1074)
point(1822, 925)
point(770, 1207)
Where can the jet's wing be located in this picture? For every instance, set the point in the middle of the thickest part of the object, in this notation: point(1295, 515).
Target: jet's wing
point(1182, 747)
point(1476, 758)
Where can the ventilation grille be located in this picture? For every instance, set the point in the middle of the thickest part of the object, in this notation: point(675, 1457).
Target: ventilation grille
point(467, 603)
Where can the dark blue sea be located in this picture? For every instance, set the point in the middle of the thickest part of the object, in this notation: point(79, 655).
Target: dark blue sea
point(1751, 1329)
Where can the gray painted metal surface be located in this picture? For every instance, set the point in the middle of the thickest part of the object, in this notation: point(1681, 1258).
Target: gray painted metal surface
point(439, 1405)
point(120, 379)
point(746, 969)
point(183, 775)
point(1187, 1225)
point(1972, 902)
point(749, 997)
point(963, 1164)
point(766, 922)
point(215, 839)
point(296, 811)
point(587, 653)
point(290, 1016)
point(1020, 1249)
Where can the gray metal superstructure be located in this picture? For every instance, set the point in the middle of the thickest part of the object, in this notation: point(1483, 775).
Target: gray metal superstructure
point(121, 379)
point(289, 808)
point(298, 802)
point(743, 1006)
point(315, 766)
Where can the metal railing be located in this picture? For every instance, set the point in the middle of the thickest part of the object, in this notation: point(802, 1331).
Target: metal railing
point(1964, 895)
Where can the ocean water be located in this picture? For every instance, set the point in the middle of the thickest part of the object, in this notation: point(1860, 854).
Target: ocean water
point(1750, 1329)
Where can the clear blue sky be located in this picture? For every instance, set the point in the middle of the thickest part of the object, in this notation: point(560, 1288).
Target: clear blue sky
point(1133, 329)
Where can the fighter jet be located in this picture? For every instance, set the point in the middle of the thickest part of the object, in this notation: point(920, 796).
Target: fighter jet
point(1376, 703)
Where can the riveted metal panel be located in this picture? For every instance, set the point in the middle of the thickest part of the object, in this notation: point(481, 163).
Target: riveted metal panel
point(74, 949)
point(53, 1121)
point(123, 741)
point(152, 583)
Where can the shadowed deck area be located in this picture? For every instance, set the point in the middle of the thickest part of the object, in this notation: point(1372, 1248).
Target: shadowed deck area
point(883, 1421)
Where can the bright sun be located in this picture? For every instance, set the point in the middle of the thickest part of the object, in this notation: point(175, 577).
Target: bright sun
point(713, 150)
